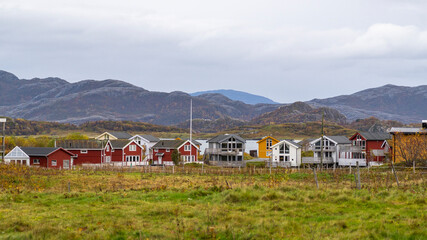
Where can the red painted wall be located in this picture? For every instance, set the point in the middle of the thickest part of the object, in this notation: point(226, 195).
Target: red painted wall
point(59, 155)
point(117, 155)
point(193, 152)
point(92, 157)
point(373, 145)
point(166, 157)
point(138, 152)
point(43, 161)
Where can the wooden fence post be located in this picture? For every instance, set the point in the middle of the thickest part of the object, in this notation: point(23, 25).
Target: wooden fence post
point(315, 177)
point(358, 175)
point(394, 171)
point(69, 187)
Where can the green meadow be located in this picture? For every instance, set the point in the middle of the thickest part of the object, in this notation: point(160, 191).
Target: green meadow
point(94, 204)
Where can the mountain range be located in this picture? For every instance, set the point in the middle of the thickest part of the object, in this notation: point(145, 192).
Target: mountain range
point(245, 97)
point(55, 99)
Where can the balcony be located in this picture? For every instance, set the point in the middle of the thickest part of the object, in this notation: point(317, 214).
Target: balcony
point(352, 162)
point(316, 160)
point(221, 151)
point(354, 149)
point(325, 148)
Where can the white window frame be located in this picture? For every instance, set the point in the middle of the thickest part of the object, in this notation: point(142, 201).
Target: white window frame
point(83, 151)
point(132, 147)
point(108, 148)
point(36, 161)
point(66, 166)
point(168, 150)
point(187, 148)
point(53, 163)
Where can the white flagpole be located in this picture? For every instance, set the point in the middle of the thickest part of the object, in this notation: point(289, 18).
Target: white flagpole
point(191, 127)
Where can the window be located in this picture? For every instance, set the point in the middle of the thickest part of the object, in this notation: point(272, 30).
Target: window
point(168, 150)
point(66, 164)
point(132, 147)
point(286, 148)
point(187, 148)
point(282, 148)
point(108, 148)
point(53, 163)
point(281, 158)
point(83, 151)
point(36, 161)
point(269, 143)
point(108, 159)
point(155, 150)
point(286, 158)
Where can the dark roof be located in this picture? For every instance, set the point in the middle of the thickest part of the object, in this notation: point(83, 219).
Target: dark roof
point(221, 138)
point(119, 144)
point(294, 143)
point(395, 130)
point(121, 135)
point(80, 144)
point(339, 139)
point(38, 151)
point(375, 136)
point(193, 141)
point(169, 144)
point(150, 138)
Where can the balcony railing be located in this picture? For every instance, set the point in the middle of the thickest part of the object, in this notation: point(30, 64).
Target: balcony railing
point(354, 149)
point(222, 151)
point(325, 148)
point(316, 160)
point(352, 162)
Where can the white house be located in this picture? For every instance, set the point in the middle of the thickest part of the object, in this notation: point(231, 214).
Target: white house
point(17, 156)
point(147, 142)
point(286, 153)
point(337, 150)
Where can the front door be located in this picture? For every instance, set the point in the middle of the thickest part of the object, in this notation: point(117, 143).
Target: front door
point(160, 159)
point(66, 164)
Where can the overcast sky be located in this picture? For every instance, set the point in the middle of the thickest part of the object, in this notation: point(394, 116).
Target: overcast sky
point(286, 50)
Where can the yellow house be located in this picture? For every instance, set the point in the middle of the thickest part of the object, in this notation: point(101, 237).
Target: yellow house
point(264, 146)
point(409, 144)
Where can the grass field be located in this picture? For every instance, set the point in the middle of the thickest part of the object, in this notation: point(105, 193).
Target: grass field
point(122, 204)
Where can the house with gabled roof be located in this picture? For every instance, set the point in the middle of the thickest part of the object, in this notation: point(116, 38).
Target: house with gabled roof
point(113, 136)
point(286, 153)
point(225, 148)
point(409, 144)
point(188, 151)
point(48, 157)
point(128, 153)
point(146, 141)
point(264, 146)
point(370, 146)
point(90, 151)
point(334, 150)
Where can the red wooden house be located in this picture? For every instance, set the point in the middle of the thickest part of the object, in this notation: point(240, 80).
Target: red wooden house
point(41, 157)
point(88, 151)
point(162, 151)
point(128, 153)
point(371, 146)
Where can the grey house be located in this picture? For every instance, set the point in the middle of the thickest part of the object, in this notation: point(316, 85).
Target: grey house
point(225, 148)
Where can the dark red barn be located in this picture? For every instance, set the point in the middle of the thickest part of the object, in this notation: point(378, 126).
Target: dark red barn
point(88, 151)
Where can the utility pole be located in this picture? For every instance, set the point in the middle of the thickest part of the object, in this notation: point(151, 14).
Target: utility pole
point(3, 147)
point(191, 128)
point(321, 141)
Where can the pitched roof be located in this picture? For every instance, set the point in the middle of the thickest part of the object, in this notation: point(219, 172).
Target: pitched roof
point(265, 138)
point(121, 135)
point(407, 130)
point(80, 144)
point(375, 136)
point(339, 139)
point(119, 144)
point(223, 137)
point(288, 141)
point(39, 151)
point(150, 138)
point(169, 144)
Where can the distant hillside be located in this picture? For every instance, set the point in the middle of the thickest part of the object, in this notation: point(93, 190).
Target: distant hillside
point(389, 102)
point(19, 127)
point(54, 99)
point(245, 97)
point(373, 124)
point(299, 112)
point(212, 126)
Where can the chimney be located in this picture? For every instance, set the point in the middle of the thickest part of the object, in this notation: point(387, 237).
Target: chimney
point(424, 124)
